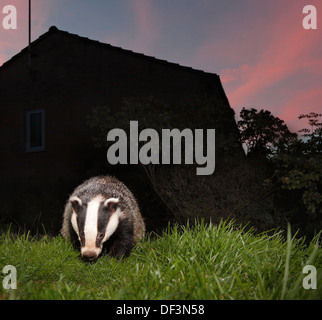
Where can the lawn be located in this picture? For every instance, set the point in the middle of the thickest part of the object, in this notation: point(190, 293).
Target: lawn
point(206, 261)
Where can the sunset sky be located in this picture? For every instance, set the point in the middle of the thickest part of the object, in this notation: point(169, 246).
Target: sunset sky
point(264, 56)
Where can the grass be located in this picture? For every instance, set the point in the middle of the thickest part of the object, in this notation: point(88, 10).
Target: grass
point(202, 262)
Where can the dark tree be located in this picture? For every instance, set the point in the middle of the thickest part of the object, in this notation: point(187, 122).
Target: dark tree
point(262, 133)
point(298, 168)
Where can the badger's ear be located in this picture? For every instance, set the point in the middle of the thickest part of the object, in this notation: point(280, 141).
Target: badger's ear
point(75, 202)
point(111, 204)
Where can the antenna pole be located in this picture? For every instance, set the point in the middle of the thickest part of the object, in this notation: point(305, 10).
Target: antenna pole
point(29, 37)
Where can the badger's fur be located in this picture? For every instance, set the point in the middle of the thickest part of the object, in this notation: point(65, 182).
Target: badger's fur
point(102, 210)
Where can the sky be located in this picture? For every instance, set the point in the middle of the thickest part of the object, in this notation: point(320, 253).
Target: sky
point(260, 49)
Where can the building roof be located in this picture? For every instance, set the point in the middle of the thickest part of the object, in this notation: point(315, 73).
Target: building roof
point(53, 29)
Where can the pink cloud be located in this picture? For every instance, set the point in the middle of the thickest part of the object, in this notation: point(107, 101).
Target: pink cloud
point(145, 33)
point(286, 77)
point(282, 57)
point(303, 102)
point(240, 73)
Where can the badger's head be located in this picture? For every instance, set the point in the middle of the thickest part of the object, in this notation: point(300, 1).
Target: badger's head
point(94, 222)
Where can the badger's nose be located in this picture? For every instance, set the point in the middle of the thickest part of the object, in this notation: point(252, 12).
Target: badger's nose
point(89, 255)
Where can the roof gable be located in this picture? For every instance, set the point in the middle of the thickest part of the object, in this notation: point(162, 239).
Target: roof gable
point(54, 30)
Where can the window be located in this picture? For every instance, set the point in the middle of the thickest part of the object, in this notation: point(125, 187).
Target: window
point(35, 134)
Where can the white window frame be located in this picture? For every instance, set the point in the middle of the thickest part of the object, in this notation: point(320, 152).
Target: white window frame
point(42, 147)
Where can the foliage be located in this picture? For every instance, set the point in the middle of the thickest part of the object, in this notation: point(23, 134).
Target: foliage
point(314, 135)
point(295, 180)
point(204, 261)
point(298, 167)
point(235, 190)
point(262, 133)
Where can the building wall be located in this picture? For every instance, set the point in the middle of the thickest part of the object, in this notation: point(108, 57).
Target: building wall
point(71, 75)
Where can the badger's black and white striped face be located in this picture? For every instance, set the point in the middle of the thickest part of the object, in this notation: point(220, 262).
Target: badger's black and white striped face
point(94, 222)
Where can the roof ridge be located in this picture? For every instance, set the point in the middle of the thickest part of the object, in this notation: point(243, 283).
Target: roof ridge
point(53, 29)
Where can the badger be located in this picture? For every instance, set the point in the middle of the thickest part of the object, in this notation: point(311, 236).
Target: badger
point(102, 210)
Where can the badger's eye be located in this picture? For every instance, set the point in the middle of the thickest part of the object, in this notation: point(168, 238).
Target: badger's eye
point(100, 236)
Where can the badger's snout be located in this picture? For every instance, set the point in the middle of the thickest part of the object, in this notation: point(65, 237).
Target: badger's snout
point(90, 255)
